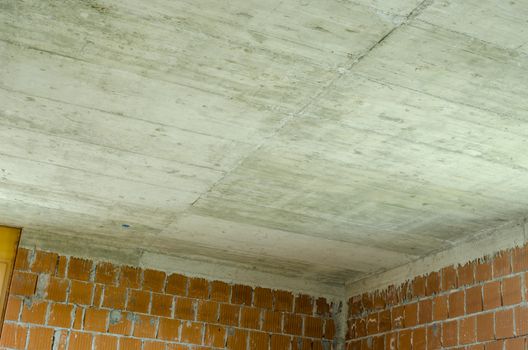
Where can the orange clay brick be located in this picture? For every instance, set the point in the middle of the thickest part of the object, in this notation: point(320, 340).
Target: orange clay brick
point(501, 264)
point(176, 284)
point(60, 315)
point(192, 332)
point(105, 342)
point(207, 311)
point(229, 314)
point(81, 292)
point(220, 291)
point(80, 269)
point(242, 295)
point(129, 344)
point(145, 326)
point(263, 298)
point(57, 289)
point(14, 305)
point(40, 338)
point(283, 301)
point(96, 320)
point(22, 259)
point(130, 277)
point(511, 290)
point(161, 305)
point(23, 283)
point(237, 339)
point(184, 308)
point(44, 262)
point(34, 312)
point(13, 336)
point(106, 273)
point(80, 341)
point(215, 336)
point(168, 329)
point(120, 322)
point(304, 304)
point(138, 301)
point(154, 280)
point(198, 288)
point(114, 297)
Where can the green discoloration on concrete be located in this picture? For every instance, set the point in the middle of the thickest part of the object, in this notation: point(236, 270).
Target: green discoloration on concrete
point(317, 141)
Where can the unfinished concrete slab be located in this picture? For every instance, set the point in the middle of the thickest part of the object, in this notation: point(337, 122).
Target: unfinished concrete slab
point(310, 143)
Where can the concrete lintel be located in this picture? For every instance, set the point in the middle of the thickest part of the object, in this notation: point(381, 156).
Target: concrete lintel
point(485, 243)
point(243, 275)
point(210, 269)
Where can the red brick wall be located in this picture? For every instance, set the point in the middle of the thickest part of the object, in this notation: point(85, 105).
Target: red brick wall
point(58, 302)
point(482, 305)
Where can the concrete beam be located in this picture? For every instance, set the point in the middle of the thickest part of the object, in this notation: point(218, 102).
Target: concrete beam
point(487, 242)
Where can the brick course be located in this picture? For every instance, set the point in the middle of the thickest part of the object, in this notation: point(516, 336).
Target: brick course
point(480, 305)
point(70, 303)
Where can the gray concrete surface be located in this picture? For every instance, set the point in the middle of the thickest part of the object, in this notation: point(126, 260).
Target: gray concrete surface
point(304, 142)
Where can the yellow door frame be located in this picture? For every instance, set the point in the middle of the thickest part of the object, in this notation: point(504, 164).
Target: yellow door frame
point(9, 239)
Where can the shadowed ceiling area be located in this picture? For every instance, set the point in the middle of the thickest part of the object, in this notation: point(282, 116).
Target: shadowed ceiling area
point(320, 140)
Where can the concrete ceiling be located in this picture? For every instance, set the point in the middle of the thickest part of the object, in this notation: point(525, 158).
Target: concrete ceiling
point(314, 140)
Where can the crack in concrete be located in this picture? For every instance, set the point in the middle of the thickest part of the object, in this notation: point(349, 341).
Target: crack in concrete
point(481, 41)
point(406, 20)
point(322, 91)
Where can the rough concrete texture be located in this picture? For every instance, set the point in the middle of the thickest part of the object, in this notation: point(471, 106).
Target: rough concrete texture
point(312, 142)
